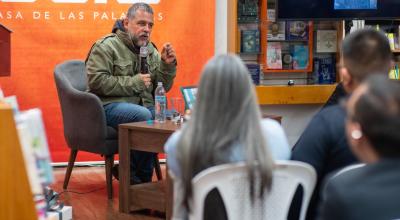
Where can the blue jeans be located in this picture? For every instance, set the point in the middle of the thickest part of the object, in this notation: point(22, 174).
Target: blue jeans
point(142, 163)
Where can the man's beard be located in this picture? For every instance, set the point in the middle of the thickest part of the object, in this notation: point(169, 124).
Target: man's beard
point(135, 40)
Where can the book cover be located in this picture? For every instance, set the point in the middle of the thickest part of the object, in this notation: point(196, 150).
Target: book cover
point(271, 15)
point(324, 70)
point(276, 31)
point(300, 56)
point(326, 41)
point(250, 41)
point(297, 30)
point(247, 11)
point(254, 70)
point(287, 60)
point(390, 37)
point(274, 55)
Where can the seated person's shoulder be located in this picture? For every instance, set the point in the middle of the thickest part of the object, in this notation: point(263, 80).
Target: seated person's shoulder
point(270, 123)
point(107, 39)
point(276, 139)
point(331, 113)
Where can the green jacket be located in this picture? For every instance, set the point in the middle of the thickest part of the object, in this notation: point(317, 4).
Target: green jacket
point(113, 71)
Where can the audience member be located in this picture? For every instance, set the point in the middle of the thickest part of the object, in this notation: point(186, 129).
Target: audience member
point(373, 131)
point(323, 143)
point(225, 126)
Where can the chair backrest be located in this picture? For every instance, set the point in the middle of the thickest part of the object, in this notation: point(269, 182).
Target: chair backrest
point(231, 181)
point(346, 169)
point(189, 95)
point(83, 114)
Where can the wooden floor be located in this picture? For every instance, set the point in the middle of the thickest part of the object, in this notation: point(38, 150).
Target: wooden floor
point(90, 198)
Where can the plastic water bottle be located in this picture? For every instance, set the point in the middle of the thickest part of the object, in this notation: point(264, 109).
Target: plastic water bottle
point(160, 103)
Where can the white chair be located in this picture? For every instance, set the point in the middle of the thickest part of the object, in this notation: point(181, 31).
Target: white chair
point(348, 168)
point(232, 183)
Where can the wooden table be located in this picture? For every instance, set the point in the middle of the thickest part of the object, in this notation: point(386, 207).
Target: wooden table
point(144, 137)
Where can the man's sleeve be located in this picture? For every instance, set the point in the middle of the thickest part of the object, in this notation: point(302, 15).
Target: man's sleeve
point(313, 144)
point(164, 73)
point(101, 81)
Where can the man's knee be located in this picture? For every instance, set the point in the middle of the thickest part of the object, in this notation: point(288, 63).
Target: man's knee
point(144, 114)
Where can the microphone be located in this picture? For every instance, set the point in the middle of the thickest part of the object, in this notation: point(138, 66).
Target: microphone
point(144, 67)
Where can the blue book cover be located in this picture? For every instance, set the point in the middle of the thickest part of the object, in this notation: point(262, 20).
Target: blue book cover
point(300, 57)
point(250, 41)
point(324, 70)
point(254, 70)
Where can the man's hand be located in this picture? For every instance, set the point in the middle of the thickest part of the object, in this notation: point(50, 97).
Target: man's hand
point(168, 53)
point(146, 79)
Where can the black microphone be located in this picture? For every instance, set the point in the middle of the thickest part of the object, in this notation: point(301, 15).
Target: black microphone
point(144, 67)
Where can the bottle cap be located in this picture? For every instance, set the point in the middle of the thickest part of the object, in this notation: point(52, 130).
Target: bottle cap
point(159, 84)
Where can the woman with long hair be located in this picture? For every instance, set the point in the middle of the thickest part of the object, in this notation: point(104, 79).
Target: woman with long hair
point(225, 126)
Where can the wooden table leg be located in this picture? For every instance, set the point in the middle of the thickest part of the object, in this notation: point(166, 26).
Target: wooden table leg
point(124, 170)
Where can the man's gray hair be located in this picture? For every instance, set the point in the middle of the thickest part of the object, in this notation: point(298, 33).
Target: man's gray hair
point(138, 6)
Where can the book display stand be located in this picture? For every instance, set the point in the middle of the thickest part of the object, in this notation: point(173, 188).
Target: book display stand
point(16, 200)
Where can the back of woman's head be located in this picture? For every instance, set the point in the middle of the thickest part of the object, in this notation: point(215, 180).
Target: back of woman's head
point(225, 95)
point(378, 113)
point(225, 113)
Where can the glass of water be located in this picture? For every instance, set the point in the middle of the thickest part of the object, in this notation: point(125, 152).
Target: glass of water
point(176, 108)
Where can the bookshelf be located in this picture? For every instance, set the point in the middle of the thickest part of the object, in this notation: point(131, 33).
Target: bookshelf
point(392, 30)
point(279, 94)
point(16, 200)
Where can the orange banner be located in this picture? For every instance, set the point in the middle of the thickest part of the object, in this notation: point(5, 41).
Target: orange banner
point(46, 33)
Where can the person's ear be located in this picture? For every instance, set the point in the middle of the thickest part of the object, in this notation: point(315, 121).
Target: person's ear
point(346, 79)
point(125, 22)
point(355, 138)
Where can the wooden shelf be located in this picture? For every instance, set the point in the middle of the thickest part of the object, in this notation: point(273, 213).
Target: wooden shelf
point(297, 94)
point(396, 51)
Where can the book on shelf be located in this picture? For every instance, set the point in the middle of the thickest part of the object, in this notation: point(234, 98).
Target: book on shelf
point(274, 55)
point(326, 41)
point(34, 135)
point(324, 70)
point(254, 70)
point(297, 30)
point(271, 15)
point(276, 31)
point(300, 56)
point(250, 41)
point(390, 37)
point(287, 60)
point(248, 11)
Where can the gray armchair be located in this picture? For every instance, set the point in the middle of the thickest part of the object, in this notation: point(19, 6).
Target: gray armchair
point(84, 119)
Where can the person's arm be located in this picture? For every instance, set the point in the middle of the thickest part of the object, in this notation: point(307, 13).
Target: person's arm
point(312, 146)
point(179, 211)
point(101, 78)
point(164, 70)
point(170, 149)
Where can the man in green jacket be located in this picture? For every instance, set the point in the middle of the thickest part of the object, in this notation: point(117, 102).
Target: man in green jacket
point(118, 77)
